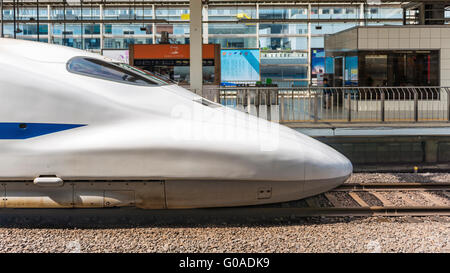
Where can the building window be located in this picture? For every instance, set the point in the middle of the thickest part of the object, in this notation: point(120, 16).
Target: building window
point(350, 11)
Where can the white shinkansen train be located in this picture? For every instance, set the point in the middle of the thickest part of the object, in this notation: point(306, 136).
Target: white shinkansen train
point(78, 130)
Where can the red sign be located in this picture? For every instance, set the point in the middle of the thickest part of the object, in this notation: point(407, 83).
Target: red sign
point(167, 51)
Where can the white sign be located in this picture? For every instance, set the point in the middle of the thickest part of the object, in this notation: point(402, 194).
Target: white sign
point(118, 55)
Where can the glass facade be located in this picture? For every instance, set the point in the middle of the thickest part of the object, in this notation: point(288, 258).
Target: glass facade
point(285, 46)
point(383, 68)
point(399, 68)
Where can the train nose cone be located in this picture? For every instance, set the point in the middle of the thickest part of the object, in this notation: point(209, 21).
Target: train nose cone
point(326, 163)
point(325, 168)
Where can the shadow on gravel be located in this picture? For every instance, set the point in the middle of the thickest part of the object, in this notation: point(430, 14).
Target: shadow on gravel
point(133, 218)
point(419, 177)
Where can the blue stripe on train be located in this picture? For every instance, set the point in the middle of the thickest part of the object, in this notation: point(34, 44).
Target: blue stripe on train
point(18, 130)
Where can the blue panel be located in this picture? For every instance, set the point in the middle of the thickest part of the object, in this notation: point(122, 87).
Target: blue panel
point(317, 61)
point(16, 130)
point(318, 53)
point(351, 71)
point(240, 65)
point(329, 65)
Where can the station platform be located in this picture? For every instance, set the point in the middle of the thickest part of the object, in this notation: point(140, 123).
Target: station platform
point(372, 129)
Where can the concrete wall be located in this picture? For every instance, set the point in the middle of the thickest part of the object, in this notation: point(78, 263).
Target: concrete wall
point(386, 150)
point(345, 40)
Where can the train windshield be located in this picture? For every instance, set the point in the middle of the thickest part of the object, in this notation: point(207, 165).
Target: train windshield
point(109, 71)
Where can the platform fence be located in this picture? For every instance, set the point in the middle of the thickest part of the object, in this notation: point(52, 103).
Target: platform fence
point(339, 104)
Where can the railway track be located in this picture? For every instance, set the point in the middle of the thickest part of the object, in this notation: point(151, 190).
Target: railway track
point(372, 199)
point(395, 186)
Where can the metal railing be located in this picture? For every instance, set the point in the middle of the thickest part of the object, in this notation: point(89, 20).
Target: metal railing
point(340, 104)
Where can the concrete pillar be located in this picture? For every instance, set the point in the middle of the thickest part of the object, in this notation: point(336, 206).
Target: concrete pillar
point(205, 25)
point(102, 30)
point(38, 19)
point(83, 46)
point(431, 151)
point(153, 25)
point(257, 25)
point(422, 14)
point(309, 44)
point(49, 25)
point(15, 16)
point(1, 19)
point(361, 13)
point(196, 66)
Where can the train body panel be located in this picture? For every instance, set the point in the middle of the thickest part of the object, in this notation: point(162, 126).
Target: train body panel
point(79, 127)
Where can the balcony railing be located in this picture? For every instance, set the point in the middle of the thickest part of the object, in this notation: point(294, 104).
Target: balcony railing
point(339, 104)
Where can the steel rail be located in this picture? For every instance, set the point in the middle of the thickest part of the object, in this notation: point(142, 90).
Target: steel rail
point(444, 186)
point(341, 212)
point(290, 213)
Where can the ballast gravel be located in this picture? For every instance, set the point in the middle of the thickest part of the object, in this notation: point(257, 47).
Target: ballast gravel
point(374, 234)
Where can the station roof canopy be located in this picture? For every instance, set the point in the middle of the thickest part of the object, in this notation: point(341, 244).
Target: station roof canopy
point(207, 2)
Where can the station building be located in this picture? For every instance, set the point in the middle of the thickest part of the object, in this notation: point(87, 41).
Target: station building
point(285, 33)
point(289, 36)
point(390, 56)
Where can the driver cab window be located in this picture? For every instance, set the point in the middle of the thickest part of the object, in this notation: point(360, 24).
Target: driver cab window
point(108, 71)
